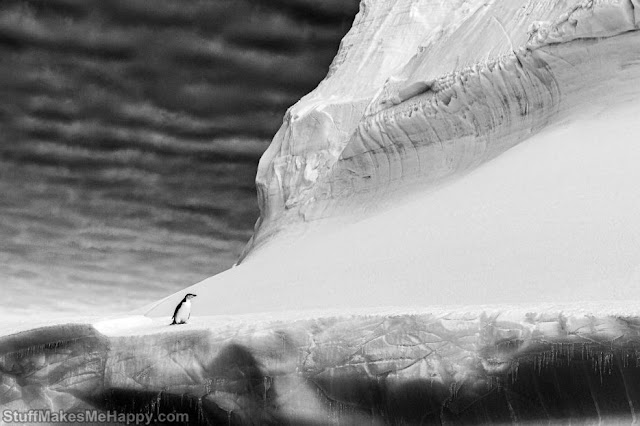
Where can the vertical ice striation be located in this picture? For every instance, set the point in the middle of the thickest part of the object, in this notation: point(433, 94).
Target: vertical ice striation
point(484, 366)
point(420, 91)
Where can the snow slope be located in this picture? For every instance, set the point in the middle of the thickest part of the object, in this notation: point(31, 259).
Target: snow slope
point(502, 173)
point(530, 226)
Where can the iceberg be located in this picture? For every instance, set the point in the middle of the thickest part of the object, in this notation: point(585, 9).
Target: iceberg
point(449, 233)
point(475, 365)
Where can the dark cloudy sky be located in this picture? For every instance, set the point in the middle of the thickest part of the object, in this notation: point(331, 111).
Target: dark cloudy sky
point(130, 132)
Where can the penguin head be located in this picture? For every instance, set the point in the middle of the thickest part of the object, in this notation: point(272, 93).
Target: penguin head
point(189, 296)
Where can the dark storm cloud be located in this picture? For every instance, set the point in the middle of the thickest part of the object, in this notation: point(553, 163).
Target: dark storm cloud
point(200, 58)
point(131, 130)
point(326, 12)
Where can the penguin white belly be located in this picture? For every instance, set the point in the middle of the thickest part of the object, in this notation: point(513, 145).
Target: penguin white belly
point(183, 313)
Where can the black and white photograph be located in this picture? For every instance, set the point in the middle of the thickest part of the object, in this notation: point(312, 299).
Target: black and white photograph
point(319, 212)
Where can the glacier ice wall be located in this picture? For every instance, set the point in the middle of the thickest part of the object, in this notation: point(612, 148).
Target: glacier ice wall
point(475, 367)
point(422, 91)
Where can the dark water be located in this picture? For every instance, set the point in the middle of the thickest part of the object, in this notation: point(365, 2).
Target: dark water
point(130, 133)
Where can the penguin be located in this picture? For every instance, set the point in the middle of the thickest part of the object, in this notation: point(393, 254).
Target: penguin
point(183, 310)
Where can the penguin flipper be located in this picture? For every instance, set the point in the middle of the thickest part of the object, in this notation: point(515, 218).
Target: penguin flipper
point(175, 314)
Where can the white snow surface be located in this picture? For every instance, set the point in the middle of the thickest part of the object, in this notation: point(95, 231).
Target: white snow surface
point(525, 313)
point(553, 219)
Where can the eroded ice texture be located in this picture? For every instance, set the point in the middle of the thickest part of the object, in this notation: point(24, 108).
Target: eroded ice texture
point(482, 367)
point(420, 91)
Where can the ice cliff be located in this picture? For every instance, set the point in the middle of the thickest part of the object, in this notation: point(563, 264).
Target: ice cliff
point(457, 153)
point(421, 91)
point(480, 366)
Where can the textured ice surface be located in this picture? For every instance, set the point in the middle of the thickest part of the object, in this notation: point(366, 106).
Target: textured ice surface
point(482, 365)
point(421, 90)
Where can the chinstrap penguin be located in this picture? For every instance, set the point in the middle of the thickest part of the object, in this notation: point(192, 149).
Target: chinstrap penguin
point(183, 310)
